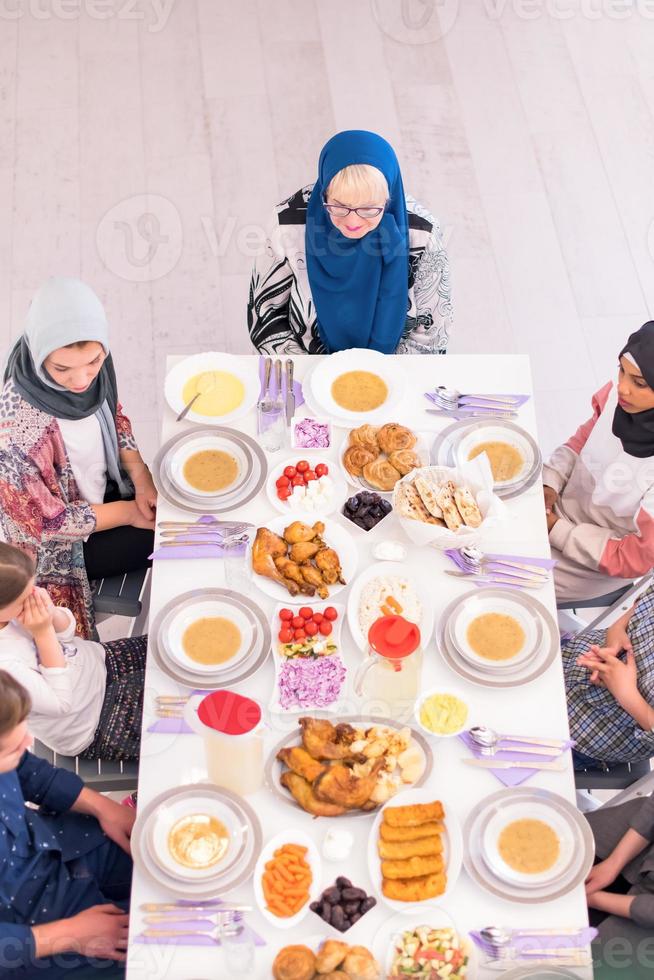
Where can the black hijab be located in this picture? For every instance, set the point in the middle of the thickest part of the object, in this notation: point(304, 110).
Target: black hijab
point(636, 431)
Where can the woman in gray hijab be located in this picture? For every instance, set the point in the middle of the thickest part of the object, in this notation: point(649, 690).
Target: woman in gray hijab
point(74, 490)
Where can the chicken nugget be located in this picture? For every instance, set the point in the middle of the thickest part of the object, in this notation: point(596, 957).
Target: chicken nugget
point(400, 850)
point(430, 829)
point(414, 889)
point(411, 816)
point(413, 867)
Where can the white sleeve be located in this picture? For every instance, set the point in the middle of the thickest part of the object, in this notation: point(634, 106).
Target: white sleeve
point(50, 688)
point(68, 633)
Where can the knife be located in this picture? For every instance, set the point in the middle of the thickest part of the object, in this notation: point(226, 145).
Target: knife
point(458, 413)
point(505, 764)
point(290, 394)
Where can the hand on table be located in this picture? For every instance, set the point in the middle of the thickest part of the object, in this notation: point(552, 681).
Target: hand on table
point(601, 875)
point(146, 497)
point(551, 497)
point(138, 518)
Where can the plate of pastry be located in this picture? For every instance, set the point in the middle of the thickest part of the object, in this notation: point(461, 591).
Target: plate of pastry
point(376, 457)
point(356, 385)
point(292, 560)
point(315, 959)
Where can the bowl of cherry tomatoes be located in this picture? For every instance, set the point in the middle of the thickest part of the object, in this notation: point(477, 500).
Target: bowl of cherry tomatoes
point(310, 485)
point(310, 631)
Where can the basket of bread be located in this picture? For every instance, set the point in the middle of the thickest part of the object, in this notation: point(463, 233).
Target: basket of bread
point(447, 506)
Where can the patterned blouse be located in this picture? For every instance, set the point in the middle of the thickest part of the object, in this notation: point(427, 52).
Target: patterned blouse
point(601, 727)
point(41, 507)
point(281, 314)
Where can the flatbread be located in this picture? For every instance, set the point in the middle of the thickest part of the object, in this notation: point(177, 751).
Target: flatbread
point(408, 503)
point(467, 507)
point(445, 501)
point(429, 493)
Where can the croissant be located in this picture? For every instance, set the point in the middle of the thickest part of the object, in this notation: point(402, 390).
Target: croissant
point(381, 474)
point(404, 460)
point(355, 458)
point(393, 436)
point(294, 963)
point(366, 436)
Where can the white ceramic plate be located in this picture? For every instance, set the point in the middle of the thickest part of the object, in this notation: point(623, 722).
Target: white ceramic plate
point(334, 536)
point(528, 811)
point(312, 858)
point(182, 453)
point(279, 659)
point(498, 433)
point(314, 457)
point(431, 916)
point(168, 815)
point(421, 449)
point(390, 569)
point(356, 359)
point(245, 370)
point(481, 605)
point(207, 608)
point(452, 841)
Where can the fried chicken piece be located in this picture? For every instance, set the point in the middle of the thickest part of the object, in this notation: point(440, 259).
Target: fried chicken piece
point(292, 573)
point(314, 577)
point(299, 760)
point(413, 867)
point(414, 889)
point(298, 531)
point(302, 551)
point(411, 816)
point(330, 566)
point(338, 784)
point(302, 792)
point(265, 548)
point(429, 829)
point(400, 850)
point(322, 740)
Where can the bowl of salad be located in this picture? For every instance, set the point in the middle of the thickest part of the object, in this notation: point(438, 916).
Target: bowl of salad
point(424, 944)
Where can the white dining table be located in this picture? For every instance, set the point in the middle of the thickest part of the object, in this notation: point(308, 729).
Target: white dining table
point(537, 708)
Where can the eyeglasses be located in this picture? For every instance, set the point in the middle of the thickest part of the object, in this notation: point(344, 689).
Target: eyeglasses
point(340, 211)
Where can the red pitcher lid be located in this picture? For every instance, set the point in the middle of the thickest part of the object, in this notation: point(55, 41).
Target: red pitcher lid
point(229, 713)
point(394, 637)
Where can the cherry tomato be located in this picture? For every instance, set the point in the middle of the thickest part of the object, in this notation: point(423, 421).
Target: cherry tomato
point(302, 466)
point(286, 636)
point(290, 472)
point(286, 614)
point(297, 623)
point(310, 475)
point(322, 469)
point(325, 627)
point(299, 635)
point(311, 628)
point(306, 612)
point(298, 480)
point(283, 481)
point(330, 613)
point(318, 618)
point(284, 493)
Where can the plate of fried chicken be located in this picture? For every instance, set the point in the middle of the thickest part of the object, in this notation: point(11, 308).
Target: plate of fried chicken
point(350, 768)
point(292, 560)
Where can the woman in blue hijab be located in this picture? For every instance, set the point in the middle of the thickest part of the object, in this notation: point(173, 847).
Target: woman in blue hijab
point(352, 262)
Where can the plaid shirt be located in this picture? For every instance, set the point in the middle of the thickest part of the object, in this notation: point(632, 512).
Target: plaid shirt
point(600, 726)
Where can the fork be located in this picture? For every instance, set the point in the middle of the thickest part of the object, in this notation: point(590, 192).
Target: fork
point(476, 560)
point(499, 578)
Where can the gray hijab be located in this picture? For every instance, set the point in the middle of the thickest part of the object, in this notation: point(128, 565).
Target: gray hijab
point(65, 311)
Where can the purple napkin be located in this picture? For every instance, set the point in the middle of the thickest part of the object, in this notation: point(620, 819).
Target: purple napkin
point(272, 389)
point(512, 777)
point(247, 935)
point(458, 560)
point(174, 726)
point(525, 942)
point(214, 550)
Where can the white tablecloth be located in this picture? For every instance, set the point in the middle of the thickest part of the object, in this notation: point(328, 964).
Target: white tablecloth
point(538, 708)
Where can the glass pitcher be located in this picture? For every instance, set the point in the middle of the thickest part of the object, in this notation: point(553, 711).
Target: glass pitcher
point(232, 729)
point(389, 677)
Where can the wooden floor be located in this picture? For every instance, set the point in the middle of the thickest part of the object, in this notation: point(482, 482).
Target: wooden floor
point(143, 151)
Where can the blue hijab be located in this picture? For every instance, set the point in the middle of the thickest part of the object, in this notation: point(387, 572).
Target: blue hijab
point(359, 286)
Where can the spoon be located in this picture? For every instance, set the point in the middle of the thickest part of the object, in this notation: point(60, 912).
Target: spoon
point(475, 558)
point(205, 383)
point(499, 936)
point(453, 396)
point(488, 738)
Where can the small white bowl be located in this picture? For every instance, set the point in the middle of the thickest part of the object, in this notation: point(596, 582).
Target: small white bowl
point(311, 449)
point(440, 689)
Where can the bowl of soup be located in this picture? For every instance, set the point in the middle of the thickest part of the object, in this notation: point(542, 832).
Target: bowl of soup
point(495, 633)
point(509, 454)
point(221, 387)
point(195, 838)
point(356, 386)
point(210, 466)
point(209, 637)
point(528, 843)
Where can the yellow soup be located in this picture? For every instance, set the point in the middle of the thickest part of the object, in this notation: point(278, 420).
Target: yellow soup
point(198, 841)
point(210, 470)
point(495, 636)
point(220, 392)
point(359, 391)
point(505, 460)
point(529, 846)
point(211, 640)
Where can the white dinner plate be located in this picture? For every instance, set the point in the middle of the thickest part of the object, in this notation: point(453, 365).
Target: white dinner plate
point(334, 536)
point(205, 609)
point(312, 857)
point(480, 605)
point(178, 458)
point(421, 449)
point(390, 569)
point(163, 820)
point(314, 457)
point(498, 433)
point(408, 919)
point(532, 810)
point(452, 845)
point(245, 369)
point(330, 368)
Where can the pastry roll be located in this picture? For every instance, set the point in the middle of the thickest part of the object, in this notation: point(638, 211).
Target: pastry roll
point(366, 436)
point(380, 474)
point(393, 436)
point(294, 963)
point(404, 460)
point(355, 458)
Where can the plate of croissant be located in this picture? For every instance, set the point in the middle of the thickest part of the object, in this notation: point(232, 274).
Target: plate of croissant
point(332, 958)
point(292, 560)
point(376, 457)
point(347, 768)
